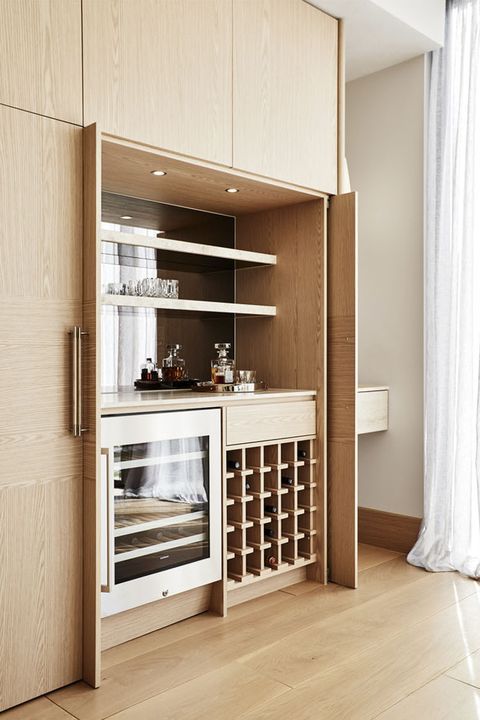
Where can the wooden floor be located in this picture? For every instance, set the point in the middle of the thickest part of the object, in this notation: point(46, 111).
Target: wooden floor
point(404, 646)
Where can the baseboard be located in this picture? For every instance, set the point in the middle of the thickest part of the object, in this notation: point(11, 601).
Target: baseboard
point(387, 530)
point(124, 626)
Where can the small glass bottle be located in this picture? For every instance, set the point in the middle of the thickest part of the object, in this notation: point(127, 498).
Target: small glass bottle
point(148, 370)
point(223, 367)
point(173, 366)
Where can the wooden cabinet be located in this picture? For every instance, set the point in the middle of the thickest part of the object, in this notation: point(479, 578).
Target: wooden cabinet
point(41, 57)
point(41, 476)
point(160, 72)
point(285, 92)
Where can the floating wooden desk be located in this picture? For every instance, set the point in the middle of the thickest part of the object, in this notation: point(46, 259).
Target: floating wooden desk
point(372, 409)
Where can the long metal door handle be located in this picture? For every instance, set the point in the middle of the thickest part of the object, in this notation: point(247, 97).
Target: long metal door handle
point(77, 333)
point(108, 520)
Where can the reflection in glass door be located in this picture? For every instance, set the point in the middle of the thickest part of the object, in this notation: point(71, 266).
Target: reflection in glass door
point(161, 494)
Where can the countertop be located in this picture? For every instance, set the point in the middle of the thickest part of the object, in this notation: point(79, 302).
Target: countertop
point(152, 400)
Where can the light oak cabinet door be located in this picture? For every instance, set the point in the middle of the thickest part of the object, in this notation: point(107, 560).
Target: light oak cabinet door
point(41, 462)
point(342, 445)
point(41, 57)
point(160, 72)
point(285, 92)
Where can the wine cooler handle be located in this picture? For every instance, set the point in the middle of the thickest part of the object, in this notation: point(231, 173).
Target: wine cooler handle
point(77, 333)
point(107, 524)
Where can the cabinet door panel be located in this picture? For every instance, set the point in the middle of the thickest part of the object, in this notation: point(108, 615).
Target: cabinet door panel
point(342, 389)
point(285, 92)
point(41, 463)
point(159, 71)
point(41, 57)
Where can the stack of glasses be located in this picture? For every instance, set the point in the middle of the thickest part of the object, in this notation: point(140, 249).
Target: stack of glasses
point(148, 287)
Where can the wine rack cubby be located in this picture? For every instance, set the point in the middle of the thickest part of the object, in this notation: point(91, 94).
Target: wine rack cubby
point(271, 493)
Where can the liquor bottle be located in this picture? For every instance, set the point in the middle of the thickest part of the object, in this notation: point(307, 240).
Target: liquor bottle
point(287, 481)
point(173, 366)
point(271, 509)
point(222, 367)
point(233, 465)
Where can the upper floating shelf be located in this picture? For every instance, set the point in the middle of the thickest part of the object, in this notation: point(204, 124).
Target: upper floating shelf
point(199, 306)
point(197, 256)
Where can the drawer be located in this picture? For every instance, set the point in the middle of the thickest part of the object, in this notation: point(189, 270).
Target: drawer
point(259, 423)
point(372, 411)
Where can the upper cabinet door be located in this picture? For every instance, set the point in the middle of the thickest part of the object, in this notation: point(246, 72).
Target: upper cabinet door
point(41, 57)
point(285, 92)
point(159, 72)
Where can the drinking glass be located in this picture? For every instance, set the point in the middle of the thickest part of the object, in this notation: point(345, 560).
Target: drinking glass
point(148, 286)
point(132, 287)
point(172, 289)
point(160, 289)
point(246, 376)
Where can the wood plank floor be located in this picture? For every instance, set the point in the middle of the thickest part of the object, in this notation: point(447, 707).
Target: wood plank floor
point(404, 646)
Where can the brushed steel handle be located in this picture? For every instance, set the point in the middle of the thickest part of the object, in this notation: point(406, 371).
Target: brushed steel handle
point(77, 333)
point(108, 521)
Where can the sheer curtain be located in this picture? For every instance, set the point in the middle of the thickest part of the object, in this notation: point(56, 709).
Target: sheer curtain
point(450, 535)
point(129, 335)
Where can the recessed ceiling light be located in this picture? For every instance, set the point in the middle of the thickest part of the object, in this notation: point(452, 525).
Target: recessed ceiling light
point(232, 190)
point(125, 217)
point(158, 172)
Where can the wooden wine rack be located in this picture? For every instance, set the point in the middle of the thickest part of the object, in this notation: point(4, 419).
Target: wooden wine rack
point(270, 509)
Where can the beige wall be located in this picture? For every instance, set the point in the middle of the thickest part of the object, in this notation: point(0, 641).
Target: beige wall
point(384, 140)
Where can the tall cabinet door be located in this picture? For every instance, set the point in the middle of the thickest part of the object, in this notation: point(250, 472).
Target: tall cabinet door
point(41, 462)
point(285, 92)
point(342, 389)
point(41, 57)
point(159, 72)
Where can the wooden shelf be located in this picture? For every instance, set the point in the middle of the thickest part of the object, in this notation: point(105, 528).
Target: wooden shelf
point(195, 257)
point(198, 306)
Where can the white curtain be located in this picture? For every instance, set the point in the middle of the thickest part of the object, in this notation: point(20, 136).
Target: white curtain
point(129, 335)
point(450, 535)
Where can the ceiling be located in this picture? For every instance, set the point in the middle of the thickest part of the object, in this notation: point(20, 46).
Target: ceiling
point(382, 33)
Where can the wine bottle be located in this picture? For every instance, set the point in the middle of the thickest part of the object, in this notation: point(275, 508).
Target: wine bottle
point(302, 454)
point(233, 464)
point(271, 509)
point(287, 481)
point(269, 532)
point(247, 486)
point(271, 560)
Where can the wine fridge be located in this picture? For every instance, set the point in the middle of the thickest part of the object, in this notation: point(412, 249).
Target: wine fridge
point(161, 506)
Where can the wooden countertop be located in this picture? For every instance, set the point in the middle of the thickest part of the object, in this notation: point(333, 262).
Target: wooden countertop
point(155, 400)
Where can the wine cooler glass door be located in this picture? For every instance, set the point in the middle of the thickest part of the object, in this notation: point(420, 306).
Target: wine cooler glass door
point(162, 505)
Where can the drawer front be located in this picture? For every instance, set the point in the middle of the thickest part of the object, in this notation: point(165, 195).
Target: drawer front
point(259, 423)
point(372, 411)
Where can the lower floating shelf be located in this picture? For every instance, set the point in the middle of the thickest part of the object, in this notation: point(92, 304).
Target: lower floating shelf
point(194, 306)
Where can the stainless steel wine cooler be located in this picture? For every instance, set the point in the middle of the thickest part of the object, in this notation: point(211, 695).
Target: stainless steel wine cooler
point(161, 506)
